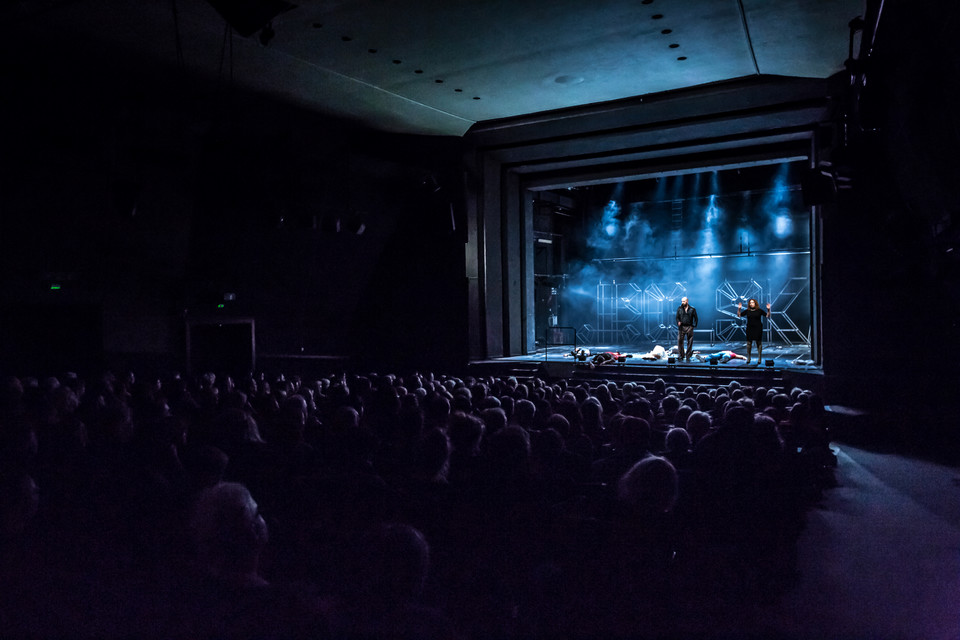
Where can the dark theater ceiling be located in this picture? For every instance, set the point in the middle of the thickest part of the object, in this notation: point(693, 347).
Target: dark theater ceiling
point(439, 66)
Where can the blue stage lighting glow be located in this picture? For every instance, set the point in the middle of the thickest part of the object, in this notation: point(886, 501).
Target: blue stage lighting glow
point(638, 239)
point(581, 291)
point(610, 222)
point(782, 226)
point(708, 241)
point(713, 211)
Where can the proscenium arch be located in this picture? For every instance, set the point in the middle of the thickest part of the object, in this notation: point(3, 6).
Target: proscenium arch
point(759, 120)
point(534, 187)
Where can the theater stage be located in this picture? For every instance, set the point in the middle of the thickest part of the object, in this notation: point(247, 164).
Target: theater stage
point(782, 365)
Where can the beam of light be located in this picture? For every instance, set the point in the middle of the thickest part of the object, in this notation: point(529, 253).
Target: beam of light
point(602, 235)
point(638, 237)
point(777, 205)
point(660, 193)
point(712, 212)
point(706, 270)
point(677, 187)
point(611, 222)
point(780, 185)
point(617, 194)
point(743, 236)
point(708, 241)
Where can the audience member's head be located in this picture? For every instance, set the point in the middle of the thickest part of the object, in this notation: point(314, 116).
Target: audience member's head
point(677, 440)
point(766, 435)
point(737, 418)
point(650, 486)
point(432, 455)
point(509, 453)
point(19, 502)
point(235, 428)
point(205, 465)
point(698, 425)
point(394, 565)
point(669, 405)
point(524, 413)
point(494, 419)
point(634, 433)
point(682, 415)
point(466, 432)
point(229, 534)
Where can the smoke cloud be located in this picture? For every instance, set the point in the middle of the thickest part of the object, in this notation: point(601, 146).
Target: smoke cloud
point(713, 236)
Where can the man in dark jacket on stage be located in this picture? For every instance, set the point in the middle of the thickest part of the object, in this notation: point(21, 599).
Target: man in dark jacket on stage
point(686, 323)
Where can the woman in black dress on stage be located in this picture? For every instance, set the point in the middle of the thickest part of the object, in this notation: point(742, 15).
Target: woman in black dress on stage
point(755, 317)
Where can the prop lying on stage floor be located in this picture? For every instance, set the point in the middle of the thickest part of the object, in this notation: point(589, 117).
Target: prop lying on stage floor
point(615, 357)
point(722, 357)
point(658, 353)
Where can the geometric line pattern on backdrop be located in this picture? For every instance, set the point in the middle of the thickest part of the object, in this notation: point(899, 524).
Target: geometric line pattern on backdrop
point(629, 313)
point(781, 323)
point(728, 326)
point(660, 304)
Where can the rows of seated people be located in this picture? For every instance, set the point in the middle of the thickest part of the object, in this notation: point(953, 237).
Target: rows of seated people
point(419, 506)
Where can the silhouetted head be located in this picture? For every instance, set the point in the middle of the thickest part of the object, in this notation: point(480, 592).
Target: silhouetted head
point(650, 485)
point(394, 564)
point(228, 530)
point(677, 440)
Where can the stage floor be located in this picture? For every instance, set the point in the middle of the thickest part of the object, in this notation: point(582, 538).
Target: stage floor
point(782, 366)
point(783, 357)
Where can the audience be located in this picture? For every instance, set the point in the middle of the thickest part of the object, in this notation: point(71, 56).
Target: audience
point(407, 506)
